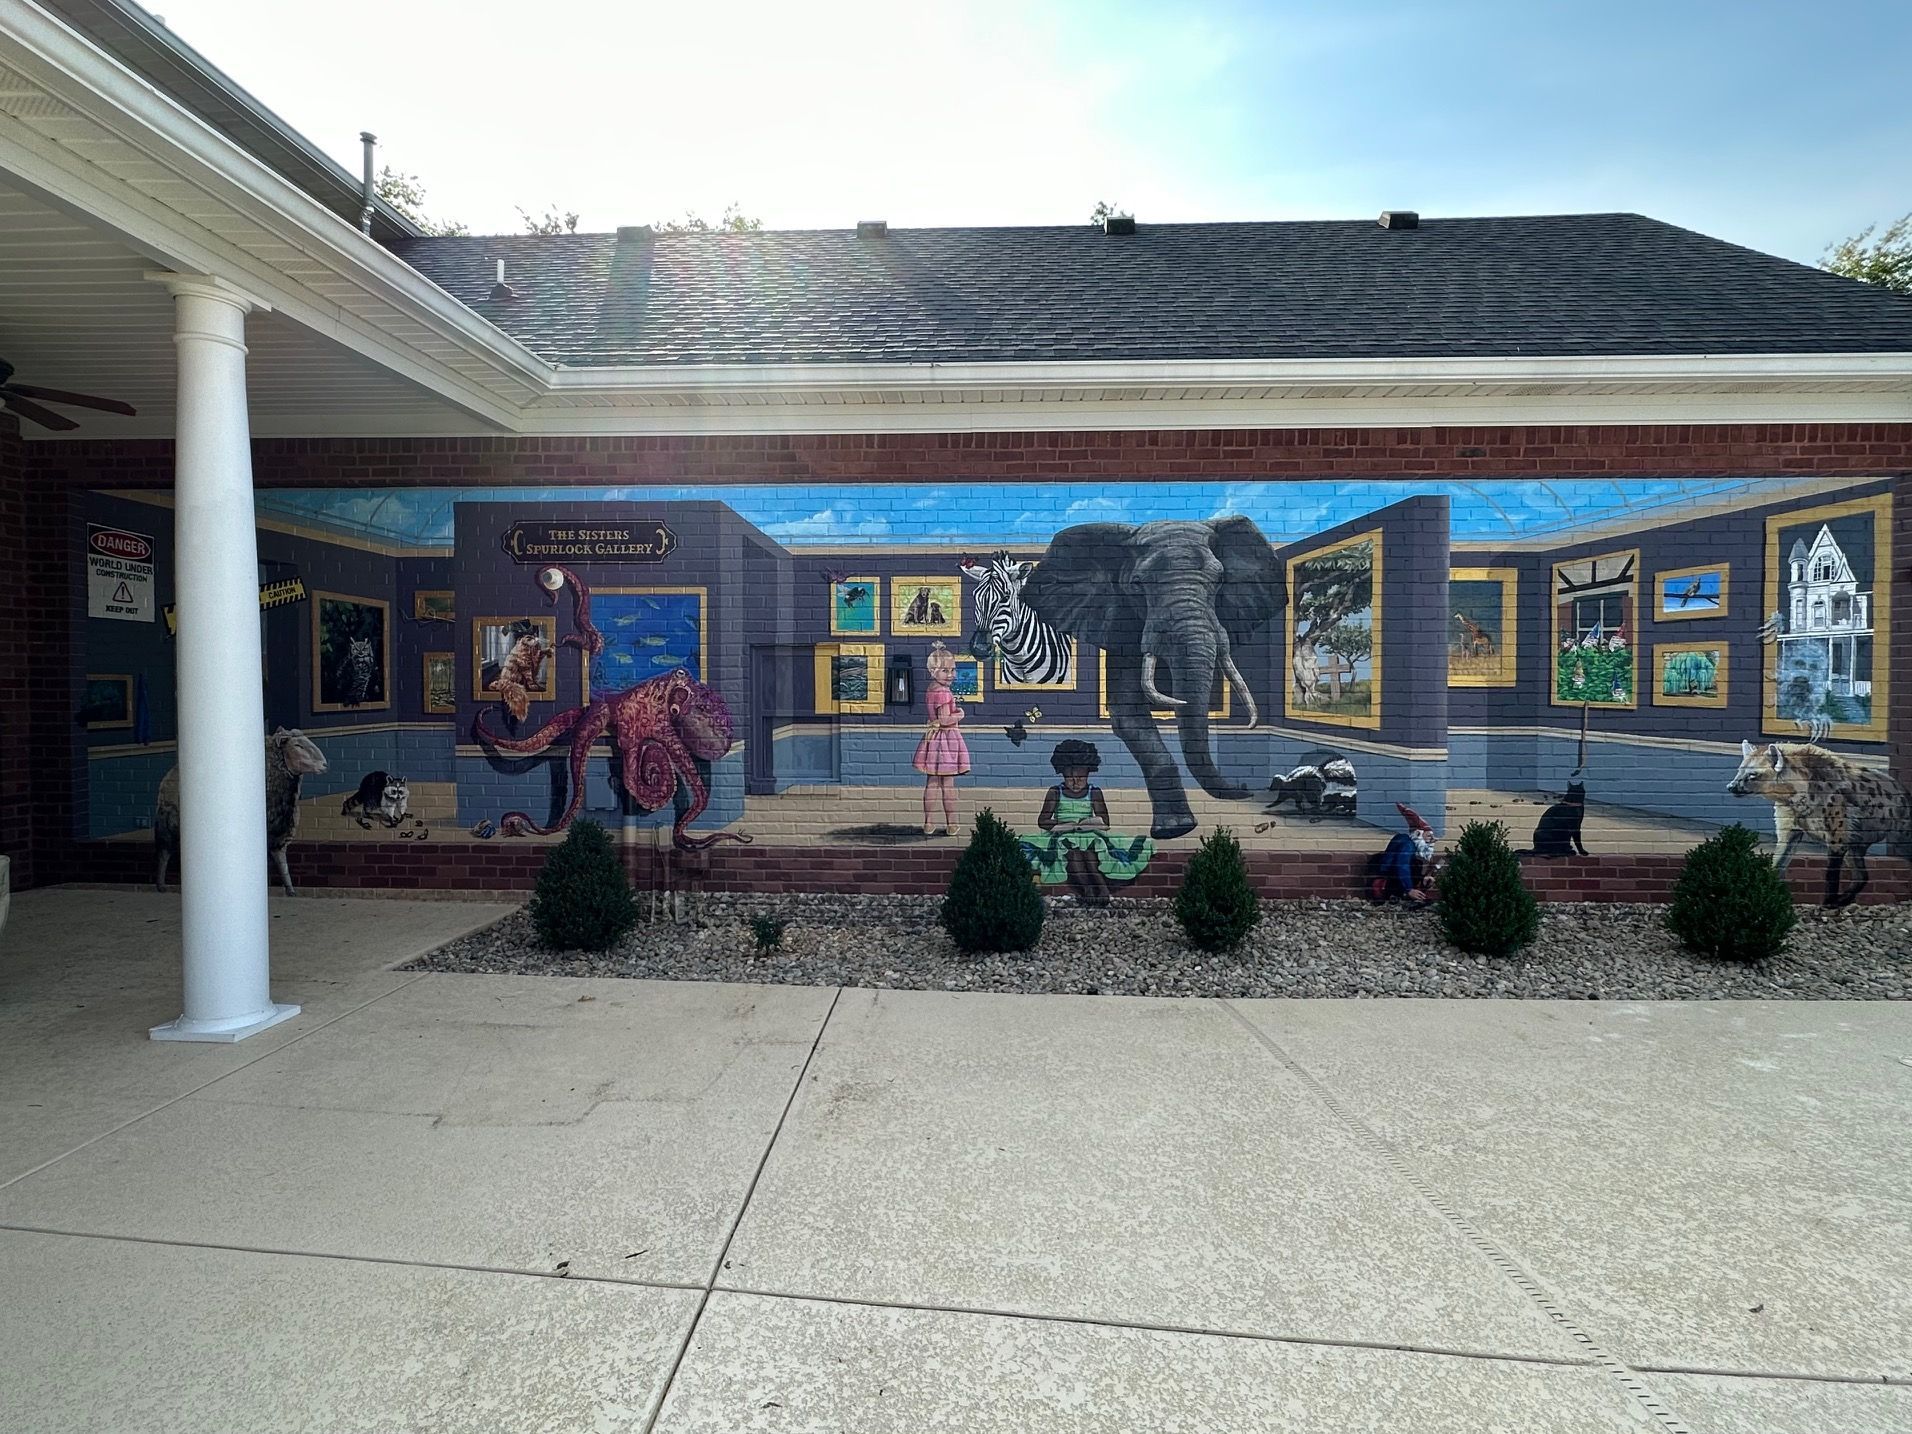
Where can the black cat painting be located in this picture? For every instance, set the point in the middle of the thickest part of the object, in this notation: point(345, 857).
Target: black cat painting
point(1557, 833)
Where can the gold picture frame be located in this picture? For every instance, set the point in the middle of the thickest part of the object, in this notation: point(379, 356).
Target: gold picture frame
point(914, 601)
point(121, 684)
point(828, 655)
point(1495, 668)
point(1692, 606)
point(439, 673)
point(604, 601)
point(335, 615)
point(483, 652)
point(1067, 684)
point(1878, 510)
point(845, 604)
point(1719, 652)
point(1621, 579)
point(972, 691)
point(1291, 705)
point(434, 605)
point(1162, 714)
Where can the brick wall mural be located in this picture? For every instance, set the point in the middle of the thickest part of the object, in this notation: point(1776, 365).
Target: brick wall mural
point(850, 669)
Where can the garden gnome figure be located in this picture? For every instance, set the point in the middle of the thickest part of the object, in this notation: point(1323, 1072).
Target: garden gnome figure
point(1406, 868)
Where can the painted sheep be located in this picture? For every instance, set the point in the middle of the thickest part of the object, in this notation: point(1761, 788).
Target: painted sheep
point(289, 756)
point(1818, 794)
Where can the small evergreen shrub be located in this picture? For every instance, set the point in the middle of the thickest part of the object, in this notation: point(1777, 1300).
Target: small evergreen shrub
point(1484, 906)
point(993, 904)
point(583, 902)
point(768, 931)
point(1729, 902)
point(1216, 904)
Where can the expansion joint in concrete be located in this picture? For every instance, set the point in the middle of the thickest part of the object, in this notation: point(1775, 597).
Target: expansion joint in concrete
point(1624, 1374)
point(743, 1208)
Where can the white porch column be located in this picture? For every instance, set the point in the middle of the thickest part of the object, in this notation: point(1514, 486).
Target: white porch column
point(222, 776)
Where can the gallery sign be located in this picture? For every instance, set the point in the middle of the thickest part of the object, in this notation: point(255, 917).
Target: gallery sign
point(647, 540)
point(119, 574)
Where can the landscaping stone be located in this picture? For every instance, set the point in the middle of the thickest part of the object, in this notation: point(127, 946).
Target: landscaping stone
point(1301, 948)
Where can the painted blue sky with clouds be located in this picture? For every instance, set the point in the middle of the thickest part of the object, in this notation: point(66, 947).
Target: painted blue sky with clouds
point(1029, 514)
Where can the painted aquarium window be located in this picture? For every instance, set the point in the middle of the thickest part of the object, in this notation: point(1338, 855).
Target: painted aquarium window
point(856, 607)
point(351, 653)
point(1334, 633)
point(1689, 674)
point(647, 632)
point(1481, 627)
point(1828, 625)
point(1594, 630)
point(1684, 594)
point(926, 607)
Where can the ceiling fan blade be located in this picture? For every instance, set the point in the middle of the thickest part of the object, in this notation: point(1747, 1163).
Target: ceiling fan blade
point(33, 413)
point(78, 400)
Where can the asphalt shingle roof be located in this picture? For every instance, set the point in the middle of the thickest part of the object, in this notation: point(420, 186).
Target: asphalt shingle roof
point(1587, 284)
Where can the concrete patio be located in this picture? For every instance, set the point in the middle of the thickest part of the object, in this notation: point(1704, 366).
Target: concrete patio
point(450, 1203)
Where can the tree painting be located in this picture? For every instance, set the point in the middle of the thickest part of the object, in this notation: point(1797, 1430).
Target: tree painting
point(1333, 637)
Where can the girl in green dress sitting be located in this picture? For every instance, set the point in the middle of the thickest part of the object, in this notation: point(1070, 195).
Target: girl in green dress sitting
point(1078, 846)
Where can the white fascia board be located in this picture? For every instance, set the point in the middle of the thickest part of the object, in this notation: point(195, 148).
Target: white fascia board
point(103, 91)
point(710, 416)
point(709, 382)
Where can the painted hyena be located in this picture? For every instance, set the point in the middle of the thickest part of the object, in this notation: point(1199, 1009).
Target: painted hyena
point(1821, 795)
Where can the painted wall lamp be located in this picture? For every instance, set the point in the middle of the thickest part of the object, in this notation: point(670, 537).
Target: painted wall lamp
point(899, 689)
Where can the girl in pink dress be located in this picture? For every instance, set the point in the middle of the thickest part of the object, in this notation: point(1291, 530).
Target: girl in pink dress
point(941, 756)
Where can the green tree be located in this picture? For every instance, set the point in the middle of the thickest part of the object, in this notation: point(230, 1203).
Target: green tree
point(1103, 212)
point(552, 221)
point(406, 194)
point(1885, 261)
point(992, 903)
point(732, 221)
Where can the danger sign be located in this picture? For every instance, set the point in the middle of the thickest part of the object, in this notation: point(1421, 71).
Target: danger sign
point(119, 574)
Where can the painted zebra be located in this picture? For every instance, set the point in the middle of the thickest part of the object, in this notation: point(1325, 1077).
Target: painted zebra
point(1029, 651)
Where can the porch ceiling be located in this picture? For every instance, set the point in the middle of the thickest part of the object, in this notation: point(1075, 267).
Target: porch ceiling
point(76, 312)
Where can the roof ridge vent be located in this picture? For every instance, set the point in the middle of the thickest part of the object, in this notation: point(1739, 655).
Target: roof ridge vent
point(872, 228)
point(1400, 219)
point(1118, 224)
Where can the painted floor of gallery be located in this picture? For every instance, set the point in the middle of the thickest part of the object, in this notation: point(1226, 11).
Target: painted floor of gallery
point(893, 816)
point(472, 1203)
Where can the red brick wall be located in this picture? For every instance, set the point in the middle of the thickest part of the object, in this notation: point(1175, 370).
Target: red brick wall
point(1661, 450)
point(507, 866)
point(43, 582)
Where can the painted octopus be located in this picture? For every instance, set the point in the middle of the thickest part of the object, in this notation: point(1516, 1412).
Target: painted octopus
point(661, 729)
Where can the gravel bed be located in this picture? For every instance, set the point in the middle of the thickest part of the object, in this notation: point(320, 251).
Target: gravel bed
point(1302, 948)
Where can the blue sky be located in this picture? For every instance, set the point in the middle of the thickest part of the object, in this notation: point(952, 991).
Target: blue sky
point(1028, 514)
point(1779, 126)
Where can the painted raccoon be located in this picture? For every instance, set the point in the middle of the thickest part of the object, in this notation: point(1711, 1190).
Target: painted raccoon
point(379, 794)
point(1820, 795)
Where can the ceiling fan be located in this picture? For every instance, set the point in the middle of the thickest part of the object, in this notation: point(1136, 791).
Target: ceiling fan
point(19, 397)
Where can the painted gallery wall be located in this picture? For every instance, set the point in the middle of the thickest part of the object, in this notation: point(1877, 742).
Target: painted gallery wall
point(1456, 644)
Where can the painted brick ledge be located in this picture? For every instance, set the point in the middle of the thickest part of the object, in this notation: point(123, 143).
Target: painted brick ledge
point(468, 866)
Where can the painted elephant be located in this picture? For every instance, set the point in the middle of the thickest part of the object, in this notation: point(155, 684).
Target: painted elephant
point(1175, 595)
